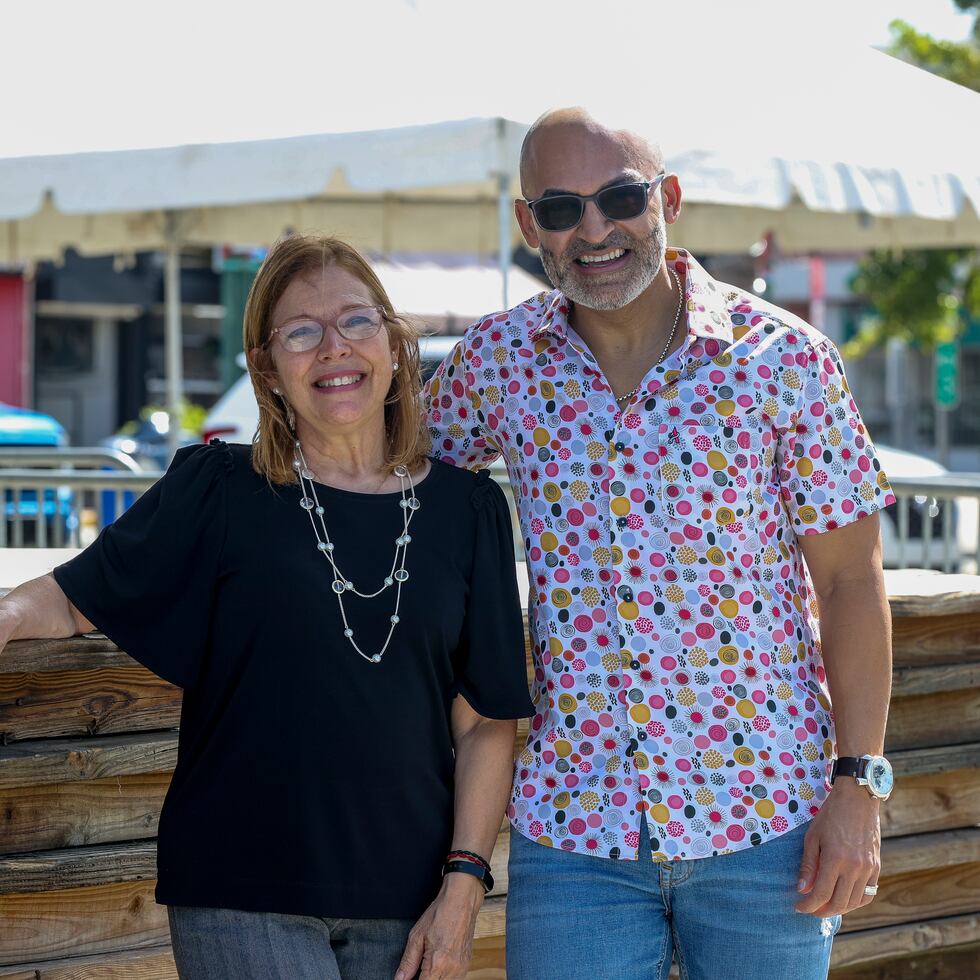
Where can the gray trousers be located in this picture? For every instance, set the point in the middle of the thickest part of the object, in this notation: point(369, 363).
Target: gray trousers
point(228, 944)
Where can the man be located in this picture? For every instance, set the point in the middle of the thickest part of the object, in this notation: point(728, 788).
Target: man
point(694, 485)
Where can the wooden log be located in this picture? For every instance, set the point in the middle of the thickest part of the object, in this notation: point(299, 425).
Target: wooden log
point(77, 868)
point(36, 763)
point(932, 802)
point(80, 921)
point(917, 642)
point(156, 963)
point(916, 592)
point(71, 653)
point(945, 718)
point(489, 960)
point(916, 896)
point(490, 920)
point(57, 703)
point(96, 811)
point(895, 942)
point(914, 681)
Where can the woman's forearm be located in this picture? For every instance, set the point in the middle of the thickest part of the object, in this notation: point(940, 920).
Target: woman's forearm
point(39, 610)
point(484, 772)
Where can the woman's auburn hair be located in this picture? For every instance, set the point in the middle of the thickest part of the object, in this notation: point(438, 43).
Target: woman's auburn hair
point(407, 438)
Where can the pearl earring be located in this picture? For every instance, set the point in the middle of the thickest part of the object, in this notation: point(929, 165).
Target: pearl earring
point(276, 391)
point(394, 367)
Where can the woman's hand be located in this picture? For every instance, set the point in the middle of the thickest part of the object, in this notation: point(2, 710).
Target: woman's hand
point(441, 942)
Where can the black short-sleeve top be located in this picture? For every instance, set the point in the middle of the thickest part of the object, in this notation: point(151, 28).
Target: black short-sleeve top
point(309, 780)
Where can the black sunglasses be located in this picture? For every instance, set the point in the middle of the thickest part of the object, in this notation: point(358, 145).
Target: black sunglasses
point(621, 202)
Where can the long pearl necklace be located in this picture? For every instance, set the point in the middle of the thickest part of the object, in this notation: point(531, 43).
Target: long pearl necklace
point(341, 585)
point(624, 400)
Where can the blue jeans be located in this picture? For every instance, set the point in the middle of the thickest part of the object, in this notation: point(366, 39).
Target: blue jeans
point(228, 944)
point(579, 917)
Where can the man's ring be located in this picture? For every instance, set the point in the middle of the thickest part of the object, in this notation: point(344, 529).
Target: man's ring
point(871, 890)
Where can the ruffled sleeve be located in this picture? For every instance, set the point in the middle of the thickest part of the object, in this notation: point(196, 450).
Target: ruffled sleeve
point(148, 580)
point(490, 666)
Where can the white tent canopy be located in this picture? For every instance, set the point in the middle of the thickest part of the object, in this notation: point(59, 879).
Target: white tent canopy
point(830, 151)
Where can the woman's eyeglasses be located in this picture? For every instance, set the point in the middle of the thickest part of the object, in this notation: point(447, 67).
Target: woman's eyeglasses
point(304, 334)
point(621, 202)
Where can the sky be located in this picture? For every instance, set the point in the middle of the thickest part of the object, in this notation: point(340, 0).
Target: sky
point(115, 74)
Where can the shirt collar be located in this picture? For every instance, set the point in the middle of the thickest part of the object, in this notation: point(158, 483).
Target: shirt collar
point(707, 311)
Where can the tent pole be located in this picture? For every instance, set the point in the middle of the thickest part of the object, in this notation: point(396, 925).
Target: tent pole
point(173, 342)
point(503, 216)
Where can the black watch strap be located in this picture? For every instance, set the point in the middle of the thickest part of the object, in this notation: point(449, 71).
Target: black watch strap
point(470, 868)
point(848, 765)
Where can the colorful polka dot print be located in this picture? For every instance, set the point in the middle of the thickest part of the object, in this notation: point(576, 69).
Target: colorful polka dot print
point(678, 675)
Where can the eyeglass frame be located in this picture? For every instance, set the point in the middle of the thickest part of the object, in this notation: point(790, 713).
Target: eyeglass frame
point(584, 199)
point(323, 326)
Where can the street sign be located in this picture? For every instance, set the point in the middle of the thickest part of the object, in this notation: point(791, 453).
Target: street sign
point(947, 364)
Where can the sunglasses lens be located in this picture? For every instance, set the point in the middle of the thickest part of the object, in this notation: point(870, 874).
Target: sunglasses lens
point(622, 202)
point(559, 212)
point(302, 335)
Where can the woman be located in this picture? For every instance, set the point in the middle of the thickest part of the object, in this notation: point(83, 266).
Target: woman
point(342, 614)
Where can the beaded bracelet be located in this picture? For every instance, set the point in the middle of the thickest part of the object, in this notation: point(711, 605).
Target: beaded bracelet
point(469, 854)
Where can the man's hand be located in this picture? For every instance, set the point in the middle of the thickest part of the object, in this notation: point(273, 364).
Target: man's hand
point(441, 942)
point(841, 852)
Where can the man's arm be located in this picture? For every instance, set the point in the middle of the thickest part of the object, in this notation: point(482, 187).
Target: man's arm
point(842, 849)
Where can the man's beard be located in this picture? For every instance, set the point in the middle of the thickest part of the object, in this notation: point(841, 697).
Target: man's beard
point(649, 255)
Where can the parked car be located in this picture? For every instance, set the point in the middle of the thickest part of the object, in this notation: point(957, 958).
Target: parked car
point(145, 439)
point(235, 416)
point(22, 428)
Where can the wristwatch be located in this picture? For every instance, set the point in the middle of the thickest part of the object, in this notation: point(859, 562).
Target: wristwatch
point(874, 772)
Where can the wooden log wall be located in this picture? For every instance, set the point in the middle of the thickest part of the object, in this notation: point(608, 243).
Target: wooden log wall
point(88, 744)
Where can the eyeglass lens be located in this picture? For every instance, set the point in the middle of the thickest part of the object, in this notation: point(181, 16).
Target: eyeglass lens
point(620, 202)
point(359, 324)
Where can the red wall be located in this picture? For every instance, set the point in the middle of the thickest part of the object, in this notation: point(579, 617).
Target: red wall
point(13, 340)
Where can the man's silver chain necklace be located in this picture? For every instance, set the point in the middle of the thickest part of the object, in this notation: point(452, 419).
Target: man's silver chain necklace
point(341, 585)
point(624, 400)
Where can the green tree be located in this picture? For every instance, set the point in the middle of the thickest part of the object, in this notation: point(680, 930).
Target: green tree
point(923, 295)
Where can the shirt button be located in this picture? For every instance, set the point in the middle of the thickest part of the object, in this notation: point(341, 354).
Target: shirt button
point(620, 446)
point(620, 522)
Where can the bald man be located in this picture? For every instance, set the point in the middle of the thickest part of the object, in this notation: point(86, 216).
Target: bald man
point(698, 499)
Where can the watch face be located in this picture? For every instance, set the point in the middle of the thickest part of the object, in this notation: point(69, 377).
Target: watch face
point(879, 775)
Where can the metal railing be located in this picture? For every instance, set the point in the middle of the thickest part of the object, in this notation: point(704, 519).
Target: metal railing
point(937, 522)
point(934, 524)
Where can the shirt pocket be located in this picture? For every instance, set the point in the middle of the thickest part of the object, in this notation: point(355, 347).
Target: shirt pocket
point(712, 474)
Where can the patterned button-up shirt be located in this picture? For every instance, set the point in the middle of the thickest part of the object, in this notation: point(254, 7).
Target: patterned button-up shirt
point(677, 665)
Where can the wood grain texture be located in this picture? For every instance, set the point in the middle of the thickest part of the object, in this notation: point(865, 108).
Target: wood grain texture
point(85, 702)
point(909, 681)
point(932, 801)
point(69, 653)
point(918, 592)
point(80, 921)
point(76, 814)
point(894, 942)
point(958, 963)
point(917, 642)
point(156, 963)
point(36, 763)
point(77, 868)
point(917, 896)
point(923, 721)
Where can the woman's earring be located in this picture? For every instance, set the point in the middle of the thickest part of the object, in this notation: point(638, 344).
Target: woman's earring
point(290, 414)
point(394, 367)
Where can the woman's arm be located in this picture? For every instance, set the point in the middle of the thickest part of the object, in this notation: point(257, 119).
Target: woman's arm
point(40, 610)
point(442, 941)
